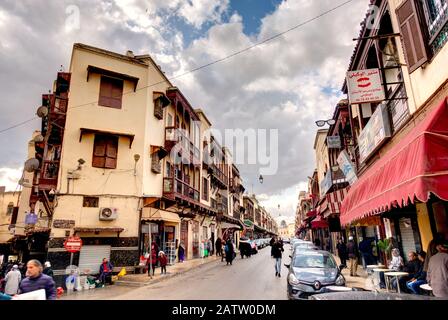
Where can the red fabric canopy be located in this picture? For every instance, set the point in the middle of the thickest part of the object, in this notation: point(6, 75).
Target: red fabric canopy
point(319, 222)
point(311, 213)
point(412, 169)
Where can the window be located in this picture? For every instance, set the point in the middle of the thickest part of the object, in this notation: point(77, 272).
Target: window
point(111, 92)
point(205, 189)
point(10, 208)
point(90, 202)
point(105, 152)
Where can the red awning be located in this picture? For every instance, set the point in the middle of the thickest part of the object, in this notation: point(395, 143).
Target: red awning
point(311, 213)
point(412, 169)
point(319, 222)
point(332, 202)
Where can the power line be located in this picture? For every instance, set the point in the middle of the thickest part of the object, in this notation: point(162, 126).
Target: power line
point(210, 63)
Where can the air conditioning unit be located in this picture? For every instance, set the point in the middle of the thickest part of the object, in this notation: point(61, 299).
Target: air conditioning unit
point(108, 214)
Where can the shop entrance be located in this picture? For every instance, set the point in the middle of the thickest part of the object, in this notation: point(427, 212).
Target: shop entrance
point(184, 235)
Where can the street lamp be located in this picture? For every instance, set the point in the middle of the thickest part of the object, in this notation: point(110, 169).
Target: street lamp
point(260, 179)
point(321, 123)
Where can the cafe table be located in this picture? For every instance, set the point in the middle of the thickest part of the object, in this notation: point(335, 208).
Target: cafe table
point(376, 274)
point(395, 274)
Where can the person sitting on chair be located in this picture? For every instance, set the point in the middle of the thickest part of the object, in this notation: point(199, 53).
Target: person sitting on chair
point(105, 270)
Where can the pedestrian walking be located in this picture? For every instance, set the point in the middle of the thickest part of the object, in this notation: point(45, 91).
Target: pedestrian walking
point(181, 252)
point(47, 270)
point(163, 262)
point(277, 254)
point(229, 250)
point(271, 243)
point(218, 245)
point(13, 279)
point(152, 261)
point(438, 270)
point(105, 270)
point(342, 252)
point(36, 280)
point(352, 250)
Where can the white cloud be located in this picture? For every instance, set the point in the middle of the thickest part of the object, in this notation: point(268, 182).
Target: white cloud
point(285, 84)
point(9, 177)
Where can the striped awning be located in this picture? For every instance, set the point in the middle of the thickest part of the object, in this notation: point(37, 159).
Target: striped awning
point(332, 202)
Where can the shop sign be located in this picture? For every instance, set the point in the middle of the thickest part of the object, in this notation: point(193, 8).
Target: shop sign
point(31, 218)
point(63, 224)
point(374, 133)
point(346, 166)
point(326, 184)
point(334, 142)
point(364, 86)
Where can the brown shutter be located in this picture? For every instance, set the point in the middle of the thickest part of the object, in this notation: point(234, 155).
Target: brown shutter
point(111, 92)
point(99, 152)
point(105, 92)
point(111, 153)
point(414, 42)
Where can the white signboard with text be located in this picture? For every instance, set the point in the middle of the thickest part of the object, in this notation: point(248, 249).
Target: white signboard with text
point(364, 86)
point(347, 167)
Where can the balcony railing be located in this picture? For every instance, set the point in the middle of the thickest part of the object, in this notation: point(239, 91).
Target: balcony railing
point(177, 137)
point(218, 174)
point(398, 108)
point(173, 187)
point(49, 175)
point(437, 25)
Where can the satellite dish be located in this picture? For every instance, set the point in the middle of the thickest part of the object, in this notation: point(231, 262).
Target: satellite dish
point(31, 165)
point(39, 138)
point(42, 112)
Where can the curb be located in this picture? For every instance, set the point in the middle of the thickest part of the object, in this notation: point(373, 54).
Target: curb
point(160, 279)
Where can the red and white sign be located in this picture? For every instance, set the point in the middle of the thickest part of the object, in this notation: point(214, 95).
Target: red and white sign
point(364, 86)
point(73, 244)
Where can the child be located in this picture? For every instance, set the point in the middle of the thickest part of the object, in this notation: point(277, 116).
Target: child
point(163, 262)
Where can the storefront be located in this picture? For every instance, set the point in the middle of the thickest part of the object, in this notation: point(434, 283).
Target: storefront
point(162, 227)
point(408, 186)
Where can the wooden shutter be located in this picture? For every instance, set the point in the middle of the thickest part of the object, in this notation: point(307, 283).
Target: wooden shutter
point(111, 153)
point(111, 92)
point(99, 152)
point(412, 35)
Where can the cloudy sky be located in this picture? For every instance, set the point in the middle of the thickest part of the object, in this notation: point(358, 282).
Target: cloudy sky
point(284, 84)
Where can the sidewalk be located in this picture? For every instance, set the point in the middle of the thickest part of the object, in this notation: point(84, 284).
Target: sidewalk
point(361, 281)
point(179, 268)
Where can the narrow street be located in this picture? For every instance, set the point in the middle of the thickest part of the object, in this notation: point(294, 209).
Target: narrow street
point(251, 279)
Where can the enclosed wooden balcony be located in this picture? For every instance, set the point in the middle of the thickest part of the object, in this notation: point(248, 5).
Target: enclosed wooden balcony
point(176, 188)
point(175, 137)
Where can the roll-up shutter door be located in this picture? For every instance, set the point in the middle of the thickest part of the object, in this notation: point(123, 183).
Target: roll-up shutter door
point(91, 257)
point(407, 237)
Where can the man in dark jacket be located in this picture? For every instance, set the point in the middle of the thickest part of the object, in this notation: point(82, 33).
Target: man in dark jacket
point(352, 250)
point(277, 250)
point(342, 252)
point(412, 267)
point(36, 280)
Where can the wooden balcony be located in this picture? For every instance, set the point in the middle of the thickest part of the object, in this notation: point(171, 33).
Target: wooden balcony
point(49, 175)
point(176, 188)
point(177, 137)
point(219, 177)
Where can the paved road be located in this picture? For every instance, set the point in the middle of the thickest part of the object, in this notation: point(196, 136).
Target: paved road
point(251, 279)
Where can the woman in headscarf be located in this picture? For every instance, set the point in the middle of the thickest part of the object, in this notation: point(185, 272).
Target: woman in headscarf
point(181, 252)
point(396, 263)
point(229, 252)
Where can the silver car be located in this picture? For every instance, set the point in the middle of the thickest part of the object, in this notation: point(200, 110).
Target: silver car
point(311, 272)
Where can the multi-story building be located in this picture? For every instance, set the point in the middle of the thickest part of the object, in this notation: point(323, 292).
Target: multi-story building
point(8, 219)
point(399, 158)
